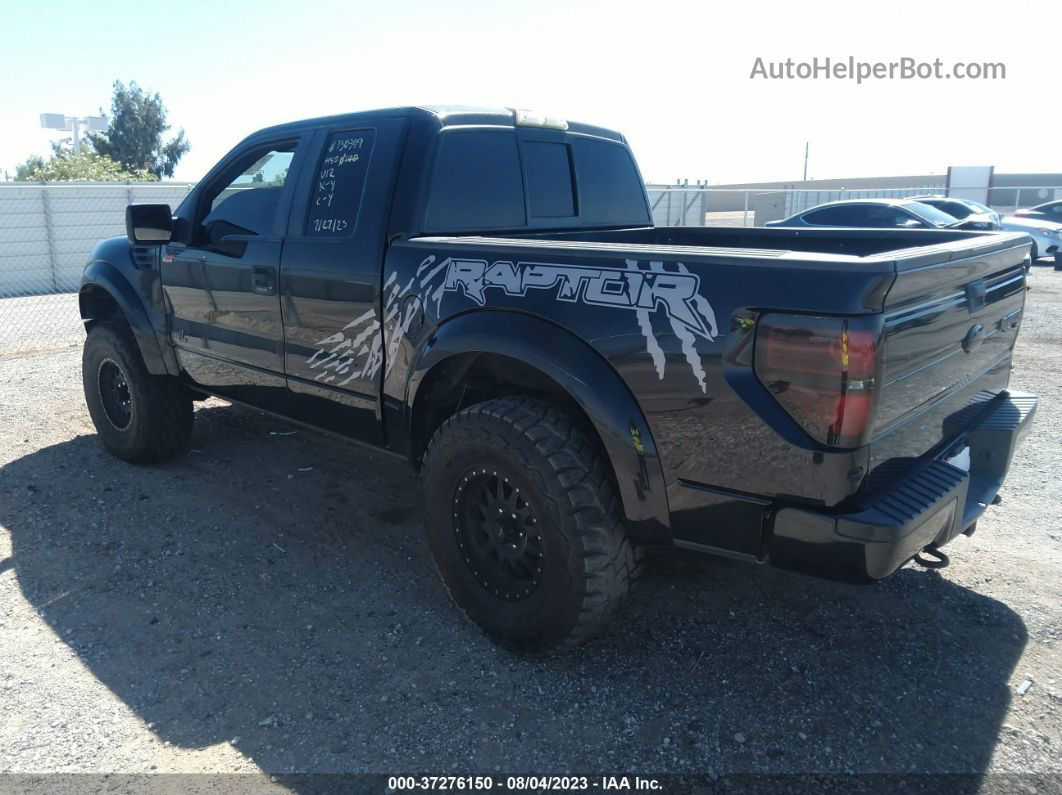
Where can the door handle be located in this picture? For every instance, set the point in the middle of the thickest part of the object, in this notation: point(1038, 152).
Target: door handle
point(263, 280)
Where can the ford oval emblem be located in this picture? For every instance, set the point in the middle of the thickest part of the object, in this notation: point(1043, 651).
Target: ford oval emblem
point(974, 337)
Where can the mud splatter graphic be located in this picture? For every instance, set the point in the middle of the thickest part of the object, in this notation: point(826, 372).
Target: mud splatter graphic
point(349, 353)
point(357, 351)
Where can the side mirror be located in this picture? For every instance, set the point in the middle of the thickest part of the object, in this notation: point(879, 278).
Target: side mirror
point(148, 223)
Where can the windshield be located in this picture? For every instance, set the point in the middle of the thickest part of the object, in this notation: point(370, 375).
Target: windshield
point(950, 206)
point(931, 214)
point(977, 206)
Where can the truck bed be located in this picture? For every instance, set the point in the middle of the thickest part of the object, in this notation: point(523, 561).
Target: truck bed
point(933, 288)
point(767, 241)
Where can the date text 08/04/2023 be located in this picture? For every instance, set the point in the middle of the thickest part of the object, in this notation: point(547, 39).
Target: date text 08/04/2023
point(603, 783)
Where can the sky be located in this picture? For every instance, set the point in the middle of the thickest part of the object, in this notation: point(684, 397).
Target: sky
point(674, 77)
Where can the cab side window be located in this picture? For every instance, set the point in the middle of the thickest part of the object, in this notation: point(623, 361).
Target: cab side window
point(245, 198)
point(337, 190)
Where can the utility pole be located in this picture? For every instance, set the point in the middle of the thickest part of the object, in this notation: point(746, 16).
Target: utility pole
point(73, 124)
point(807, 144)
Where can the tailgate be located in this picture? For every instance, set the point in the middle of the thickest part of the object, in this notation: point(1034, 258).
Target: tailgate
point(951, 319)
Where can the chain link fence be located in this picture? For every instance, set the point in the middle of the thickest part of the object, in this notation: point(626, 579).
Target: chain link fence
point(46, 235)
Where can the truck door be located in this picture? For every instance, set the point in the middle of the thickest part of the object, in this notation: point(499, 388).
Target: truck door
point(221, 278)
point(330, 278)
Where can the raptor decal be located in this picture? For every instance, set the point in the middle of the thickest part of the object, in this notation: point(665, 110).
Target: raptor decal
point(631, 288)
point(642, 290)
point(366, 344)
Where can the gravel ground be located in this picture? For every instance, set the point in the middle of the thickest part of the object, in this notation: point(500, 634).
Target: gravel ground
point(265, 604)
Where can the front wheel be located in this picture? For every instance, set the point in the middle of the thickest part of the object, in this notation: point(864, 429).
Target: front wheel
point(524, 524)
point(139, 417)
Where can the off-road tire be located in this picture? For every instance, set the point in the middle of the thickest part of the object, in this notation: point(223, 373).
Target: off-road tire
point(587, 563)
point(160, 408)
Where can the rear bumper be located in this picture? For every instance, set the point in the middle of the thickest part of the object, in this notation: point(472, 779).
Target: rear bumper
point(935, 503)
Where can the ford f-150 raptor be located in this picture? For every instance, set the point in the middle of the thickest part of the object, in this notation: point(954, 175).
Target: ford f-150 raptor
point(482, 292)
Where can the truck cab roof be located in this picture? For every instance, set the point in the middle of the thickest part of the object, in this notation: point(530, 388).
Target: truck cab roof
point(468, 169)
point(451, 116)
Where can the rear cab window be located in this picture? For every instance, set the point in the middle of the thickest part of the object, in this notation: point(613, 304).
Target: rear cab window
point(510, 178)
point(610, 187)
point(476, 182)
point(550, 184)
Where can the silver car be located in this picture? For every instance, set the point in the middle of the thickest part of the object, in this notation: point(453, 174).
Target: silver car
point(1046, 235)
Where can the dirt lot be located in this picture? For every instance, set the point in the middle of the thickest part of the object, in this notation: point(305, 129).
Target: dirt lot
point(265, 604)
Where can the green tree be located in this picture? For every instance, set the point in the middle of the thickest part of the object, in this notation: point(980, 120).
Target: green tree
point(65, 146)
point(135, 135)
point(67, 167)
point(28, 170)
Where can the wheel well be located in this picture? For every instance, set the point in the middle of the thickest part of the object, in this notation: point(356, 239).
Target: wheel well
point(96, 305)
point(471, 378)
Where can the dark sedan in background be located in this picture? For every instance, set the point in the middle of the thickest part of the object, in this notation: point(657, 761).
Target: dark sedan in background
point(878, 214)
point(1049, 211)
point(973, 213)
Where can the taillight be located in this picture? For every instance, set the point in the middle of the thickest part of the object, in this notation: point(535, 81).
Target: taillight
point(823, 371)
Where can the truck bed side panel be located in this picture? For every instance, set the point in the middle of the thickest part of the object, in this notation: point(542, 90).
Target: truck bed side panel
point(678, 352)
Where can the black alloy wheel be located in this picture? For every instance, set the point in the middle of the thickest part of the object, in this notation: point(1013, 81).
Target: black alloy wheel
point(497, 533)
point(114, 394)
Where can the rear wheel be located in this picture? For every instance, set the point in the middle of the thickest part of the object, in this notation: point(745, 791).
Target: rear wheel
point(524, 524)
point(139, 417)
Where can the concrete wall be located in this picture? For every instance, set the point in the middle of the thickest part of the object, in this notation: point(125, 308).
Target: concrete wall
point(773, 200)
point(736, 199)
point(48, 231)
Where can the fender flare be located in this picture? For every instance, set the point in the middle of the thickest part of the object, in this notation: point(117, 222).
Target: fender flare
point(587, 377)
point(105, 276)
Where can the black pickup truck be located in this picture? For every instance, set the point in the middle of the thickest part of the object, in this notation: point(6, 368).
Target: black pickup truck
point(482, 292)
